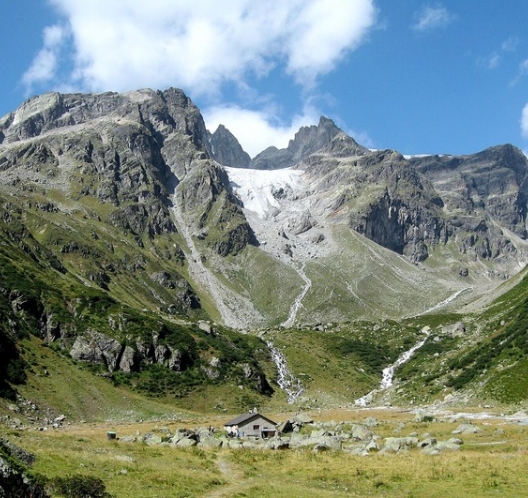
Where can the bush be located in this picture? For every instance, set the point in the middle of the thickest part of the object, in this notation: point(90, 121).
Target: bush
point(78, 486)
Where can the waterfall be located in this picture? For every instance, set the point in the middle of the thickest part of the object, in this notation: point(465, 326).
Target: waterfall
point(388, 372)
point(286, 380)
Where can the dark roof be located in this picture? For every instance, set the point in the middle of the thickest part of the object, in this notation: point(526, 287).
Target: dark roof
point(247, 417)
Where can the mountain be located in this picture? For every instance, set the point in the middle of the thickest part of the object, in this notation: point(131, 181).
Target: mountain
point(248, 246)
point(226, 150)
point(135, 240)
point(308, 140)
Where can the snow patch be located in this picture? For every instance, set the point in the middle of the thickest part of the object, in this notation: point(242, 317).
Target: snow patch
point(259, 189)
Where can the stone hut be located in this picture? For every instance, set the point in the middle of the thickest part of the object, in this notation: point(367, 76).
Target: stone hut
point(251, 425)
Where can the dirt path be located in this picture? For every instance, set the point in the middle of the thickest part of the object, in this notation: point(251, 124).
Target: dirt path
point(235, 479)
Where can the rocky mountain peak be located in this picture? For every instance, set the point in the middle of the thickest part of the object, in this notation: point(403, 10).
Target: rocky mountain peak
point(308, 140)
point(136, 180)
point(164, 112)
point(226, 149)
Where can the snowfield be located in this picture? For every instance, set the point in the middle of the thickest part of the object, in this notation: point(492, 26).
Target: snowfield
point(256, 188)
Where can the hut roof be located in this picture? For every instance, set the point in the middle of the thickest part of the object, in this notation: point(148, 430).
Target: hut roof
point(247, 417)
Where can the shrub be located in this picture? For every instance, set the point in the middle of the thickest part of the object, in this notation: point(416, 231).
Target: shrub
point(78, 486)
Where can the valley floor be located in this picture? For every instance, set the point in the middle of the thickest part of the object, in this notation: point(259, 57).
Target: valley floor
point(490, 462)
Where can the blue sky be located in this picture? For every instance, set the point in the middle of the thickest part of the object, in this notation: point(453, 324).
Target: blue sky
point(411, 75)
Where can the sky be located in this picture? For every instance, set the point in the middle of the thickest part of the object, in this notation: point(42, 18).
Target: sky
point(417, 76)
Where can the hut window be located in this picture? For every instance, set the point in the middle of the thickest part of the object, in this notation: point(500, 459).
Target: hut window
point(256, 427)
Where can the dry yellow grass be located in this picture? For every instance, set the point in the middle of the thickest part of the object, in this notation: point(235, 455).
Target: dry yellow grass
point(490, 463)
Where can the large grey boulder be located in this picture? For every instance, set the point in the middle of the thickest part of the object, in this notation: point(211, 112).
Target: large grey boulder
point(152, 439)
point(361, 432)
point(396, 444)
point(328, 443)
point(210, 442)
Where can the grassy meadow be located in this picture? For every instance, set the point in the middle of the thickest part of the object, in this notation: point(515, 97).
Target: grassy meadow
point(489, 463)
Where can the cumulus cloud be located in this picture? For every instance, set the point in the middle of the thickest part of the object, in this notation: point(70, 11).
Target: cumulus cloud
point(205, 48)
point(429, 18)
point(201, 45)
point(524, 121)
point(257, 130)
point(44, 65)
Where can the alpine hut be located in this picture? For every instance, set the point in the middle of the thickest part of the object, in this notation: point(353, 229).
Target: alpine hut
point(251, 425)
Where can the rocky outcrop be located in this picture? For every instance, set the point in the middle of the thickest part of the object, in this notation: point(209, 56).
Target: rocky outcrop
point(97, 348)
point(14, 480)
point(206, 196)
point(492, 184)
point(226, 150)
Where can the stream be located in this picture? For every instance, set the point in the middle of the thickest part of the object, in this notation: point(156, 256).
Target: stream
point(298, 300)
point(387, 379)
point(286, 380)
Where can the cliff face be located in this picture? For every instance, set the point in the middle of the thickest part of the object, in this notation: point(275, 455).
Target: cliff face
point(485, 196)
point(132, 167)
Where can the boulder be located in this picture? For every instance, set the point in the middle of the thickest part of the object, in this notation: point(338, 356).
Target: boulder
point(210, 442)
point(447, 446)
point(396, 444)
point(186, 443)
point(152, 439)
point(361, 433)
point(303, 418)
point(430, 441)
point(328, 443)
point(373, 445)
point(467, 428)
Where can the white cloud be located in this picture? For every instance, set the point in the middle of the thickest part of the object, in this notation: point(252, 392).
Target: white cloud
point(523, 70)
point(492, 61)
point(44, 65)
point(429, 18)
point(323, 33)
point(198, 46)
point(510, 45)
point(524, 122)
point(203, 47)
point(257, 130)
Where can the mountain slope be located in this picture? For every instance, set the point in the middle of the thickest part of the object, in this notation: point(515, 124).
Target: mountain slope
point(122, 238)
